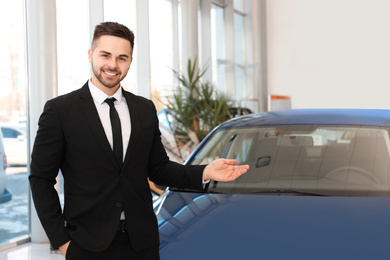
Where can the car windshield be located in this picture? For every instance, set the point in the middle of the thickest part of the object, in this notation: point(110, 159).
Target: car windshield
point(302, 159)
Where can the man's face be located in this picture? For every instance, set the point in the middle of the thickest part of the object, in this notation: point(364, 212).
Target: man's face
point(110, 57)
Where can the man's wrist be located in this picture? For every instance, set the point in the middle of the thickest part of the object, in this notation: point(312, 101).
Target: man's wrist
point(205, 177)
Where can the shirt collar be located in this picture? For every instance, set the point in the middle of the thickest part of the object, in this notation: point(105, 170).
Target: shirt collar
point(99, 96)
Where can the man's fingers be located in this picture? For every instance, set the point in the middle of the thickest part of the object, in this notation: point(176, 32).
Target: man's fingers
point(230, 161)
point(243, 169)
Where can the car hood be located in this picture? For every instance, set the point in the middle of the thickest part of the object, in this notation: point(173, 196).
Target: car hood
point(220, 226)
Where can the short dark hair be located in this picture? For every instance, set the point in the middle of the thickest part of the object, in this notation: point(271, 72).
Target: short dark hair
point(113, 29)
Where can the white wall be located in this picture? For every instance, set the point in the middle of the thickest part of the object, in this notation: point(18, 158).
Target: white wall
point(329, 53)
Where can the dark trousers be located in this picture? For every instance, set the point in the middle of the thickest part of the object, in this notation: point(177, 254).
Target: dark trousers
point(120, 249)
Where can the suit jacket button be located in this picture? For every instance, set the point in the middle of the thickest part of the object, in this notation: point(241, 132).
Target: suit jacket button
point(118, 204)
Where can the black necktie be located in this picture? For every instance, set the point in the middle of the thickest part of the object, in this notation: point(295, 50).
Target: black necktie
point(116, 131)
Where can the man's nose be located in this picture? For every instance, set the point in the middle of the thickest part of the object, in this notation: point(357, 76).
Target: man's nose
point(113, 64)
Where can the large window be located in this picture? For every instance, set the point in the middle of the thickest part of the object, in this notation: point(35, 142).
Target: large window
point(14, 213)
point(231, 51)
point(218, 47)
point(73, 42)
point(239, 51)
point(161, 51)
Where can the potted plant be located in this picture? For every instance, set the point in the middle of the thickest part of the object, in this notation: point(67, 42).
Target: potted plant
point(196, 106)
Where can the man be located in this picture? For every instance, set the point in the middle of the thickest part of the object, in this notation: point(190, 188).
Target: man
point(108, 211)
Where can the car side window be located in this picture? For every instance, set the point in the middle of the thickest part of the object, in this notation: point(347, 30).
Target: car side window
point(9, 133)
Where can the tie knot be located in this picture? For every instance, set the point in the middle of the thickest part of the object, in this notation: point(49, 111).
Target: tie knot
point(110, 101)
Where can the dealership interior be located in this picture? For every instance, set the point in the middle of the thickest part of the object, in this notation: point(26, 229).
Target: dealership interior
point(259, 55)
point(47, 56)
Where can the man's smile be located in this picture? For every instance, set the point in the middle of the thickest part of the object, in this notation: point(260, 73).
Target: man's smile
point(110, 73)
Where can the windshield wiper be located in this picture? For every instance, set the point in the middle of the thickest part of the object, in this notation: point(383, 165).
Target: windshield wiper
point(293, 192)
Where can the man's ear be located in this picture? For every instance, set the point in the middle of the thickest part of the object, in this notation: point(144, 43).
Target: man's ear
point(90, 52)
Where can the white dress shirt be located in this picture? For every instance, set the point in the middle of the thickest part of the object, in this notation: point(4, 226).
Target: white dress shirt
point(104, 113)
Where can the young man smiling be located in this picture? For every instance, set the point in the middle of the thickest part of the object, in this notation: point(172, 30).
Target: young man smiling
point(111, 58)
point(108, 211)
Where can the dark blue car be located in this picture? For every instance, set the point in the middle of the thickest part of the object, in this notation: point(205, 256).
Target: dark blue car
point(318, 188)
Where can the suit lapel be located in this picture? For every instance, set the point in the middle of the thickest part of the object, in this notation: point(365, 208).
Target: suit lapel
point(94, 122)
point(135, 126)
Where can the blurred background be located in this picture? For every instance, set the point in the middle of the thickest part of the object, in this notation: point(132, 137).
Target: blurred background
point(251, 55)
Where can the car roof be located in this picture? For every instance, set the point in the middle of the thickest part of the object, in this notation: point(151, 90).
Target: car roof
point(368, 117)
point(17, 126)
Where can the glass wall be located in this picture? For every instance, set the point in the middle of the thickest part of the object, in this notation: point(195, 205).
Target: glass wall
point(239, 52)
point(73, 42)
point(161, 51)
point(218, 47)
point(14, 213)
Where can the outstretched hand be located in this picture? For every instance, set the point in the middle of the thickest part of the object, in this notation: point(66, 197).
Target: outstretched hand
point(224, 170)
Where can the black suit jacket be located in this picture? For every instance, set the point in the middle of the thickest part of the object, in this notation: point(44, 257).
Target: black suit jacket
point(71, 138)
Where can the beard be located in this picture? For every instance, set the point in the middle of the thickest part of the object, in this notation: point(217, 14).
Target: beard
point(107, 82)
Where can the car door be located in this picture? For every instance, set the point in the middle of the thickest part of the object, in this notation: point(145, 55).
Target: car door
point(15, 145)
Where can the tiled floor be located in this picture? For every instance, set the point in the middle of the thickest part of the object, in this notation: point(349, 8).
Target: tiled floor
point(30, 251)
